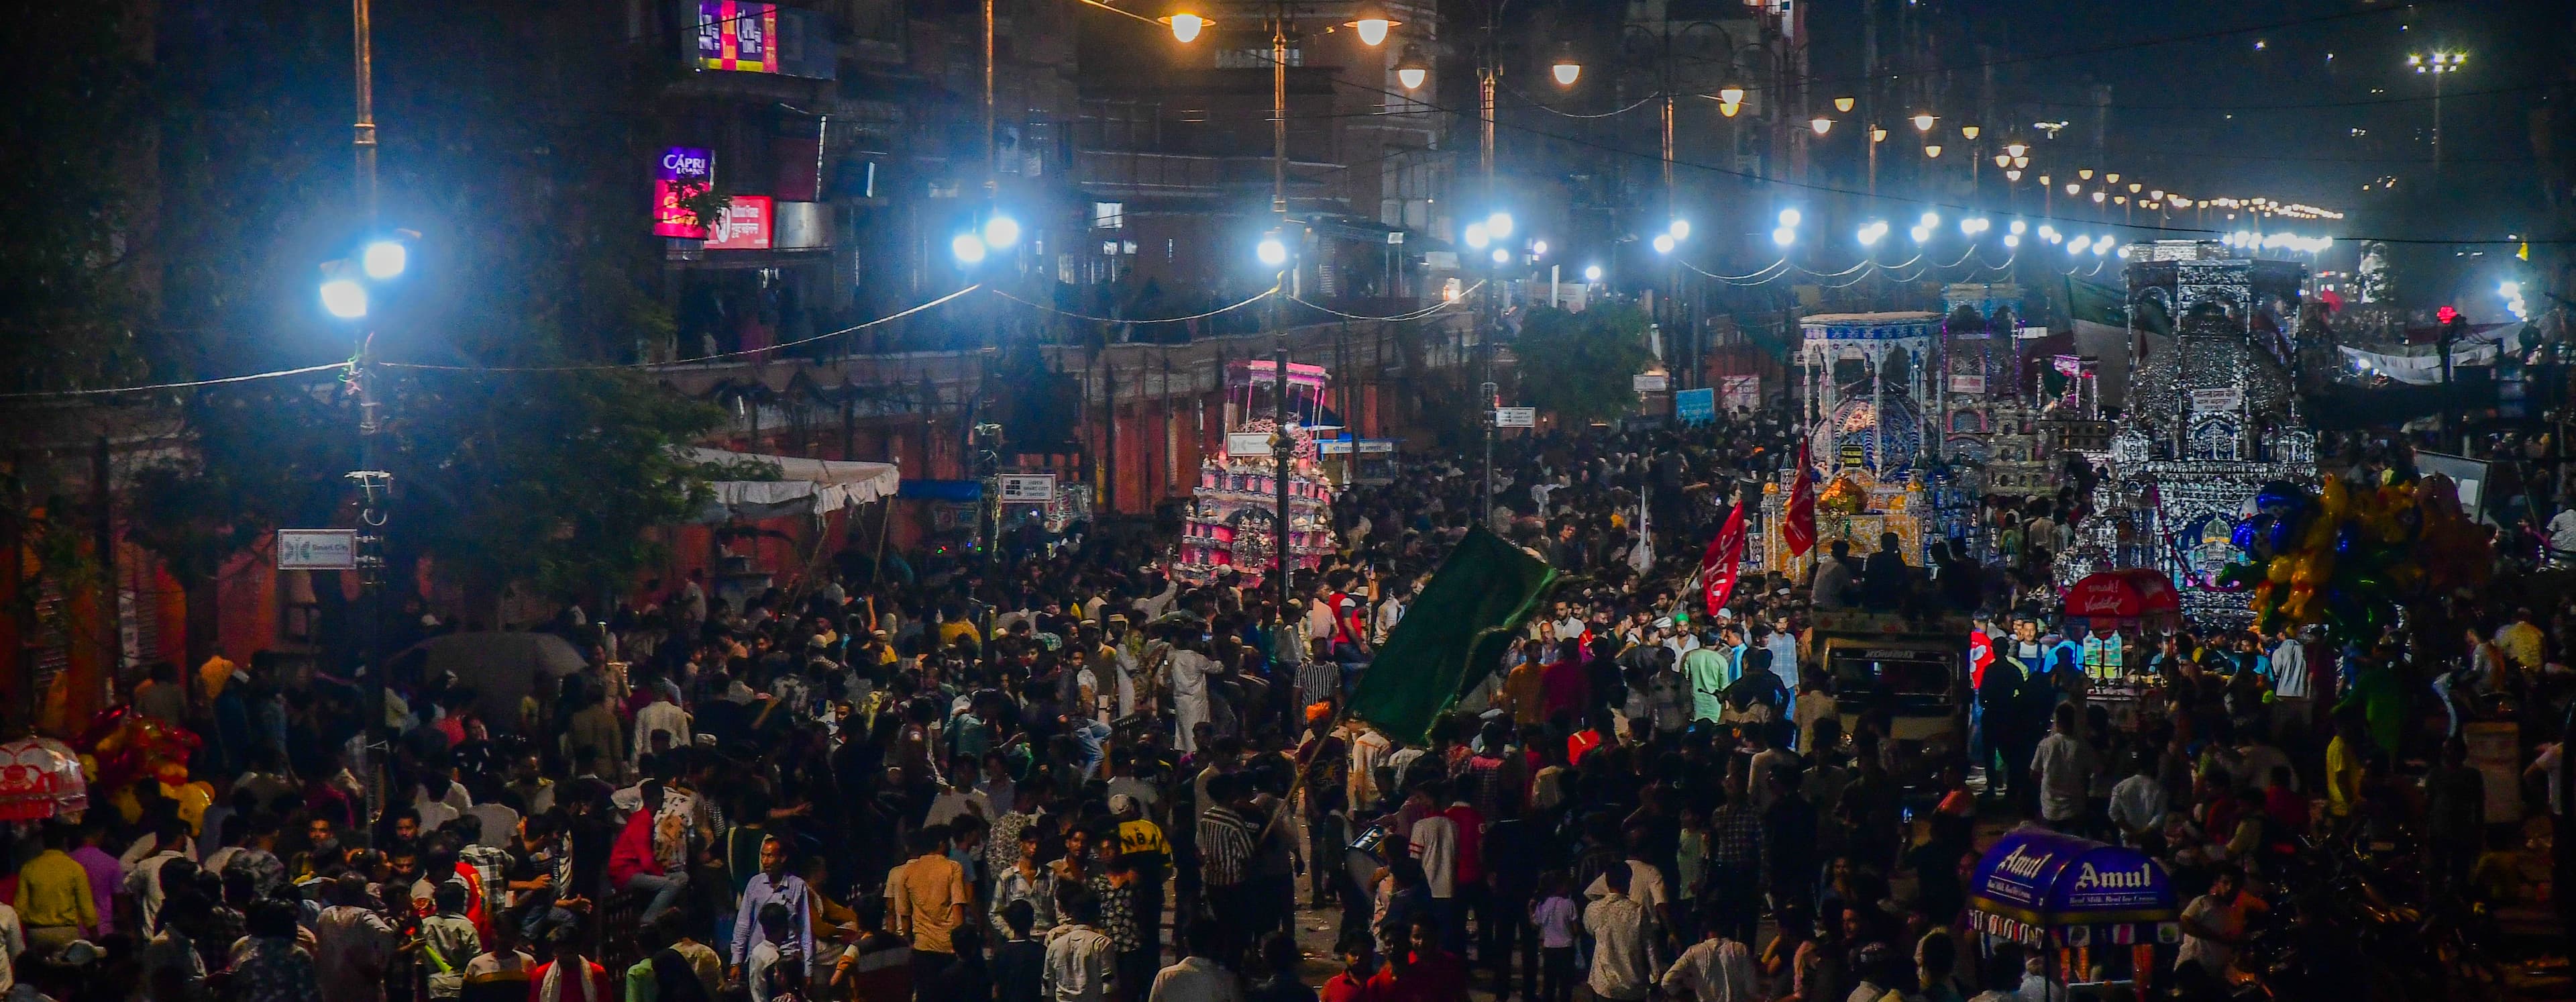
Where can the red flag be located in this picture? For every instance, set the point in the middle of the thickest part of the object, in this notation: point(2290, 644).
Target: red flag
point(1725, 558)
point(1798, 523)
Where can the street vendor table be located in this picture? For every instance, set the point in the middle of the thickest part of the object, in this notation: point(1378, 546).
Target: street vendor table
point(2076, 901)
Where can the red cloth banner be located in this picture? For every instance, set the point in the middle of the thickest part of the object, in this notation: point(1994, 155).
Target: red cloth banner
point(1723, 562)
point(1798, 526)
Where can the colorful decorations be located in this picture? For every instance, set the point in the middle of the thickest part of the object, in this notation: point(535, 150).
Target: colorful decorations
point(2349, 557)
point(129, 747)
point(1847, 495)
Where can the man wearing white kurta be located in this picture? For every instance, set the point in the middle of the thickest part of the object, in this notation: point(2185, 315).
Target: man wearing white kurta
point(1190, 670)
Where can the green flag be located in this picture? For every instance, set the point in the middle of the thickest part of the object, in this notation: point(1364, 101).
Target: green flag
point(1451, 636)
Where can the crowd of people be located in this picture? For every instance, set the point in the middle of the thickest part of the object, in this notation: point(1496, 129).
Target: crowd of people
point(1069, 777)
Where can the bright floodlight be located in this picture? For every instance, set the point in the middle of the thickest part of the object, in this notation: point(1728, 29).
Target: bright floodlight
point(1272, 252)
point(1372, 30)
point(1566, 71)
point(1789, 217)
point(1001, 232)
point(1869, 234)
point(2102, 246)
point(2012, 239)
point(968, 247)
point(385, 259)
point(345, 298)
point(1592, 273)
point(1475, 236)
point(2018, 227)
point(1680, 229)
point(1929, 220)
point(1186, 27)
point(1502, 256)
point(1784, 236)
point(1921, 234)
point(1538, 248)
point(1663, 243)
point(2077, 245)
point(2045, 230)
point(1499, 225)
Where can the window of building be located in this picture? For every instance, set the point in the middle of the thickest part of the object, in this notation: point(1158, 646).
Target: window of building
point(1108, 215)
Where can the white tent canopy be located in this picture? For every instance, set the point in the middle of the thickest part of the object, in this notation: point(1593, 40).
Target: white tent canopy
point(804, 486)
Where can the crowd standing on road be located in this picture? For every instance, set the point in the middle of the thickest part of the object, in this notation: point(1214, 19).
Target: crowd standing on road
point(1066, 777)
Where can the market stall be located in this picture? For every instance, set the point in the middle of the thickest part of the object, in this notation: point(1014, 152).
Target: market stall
point(2124, 613)
point(2100, 914)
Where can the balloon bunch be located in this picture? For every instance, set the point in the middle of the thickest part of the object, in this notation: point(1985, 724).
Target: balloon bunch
point(129, 746)
point(2340, 556)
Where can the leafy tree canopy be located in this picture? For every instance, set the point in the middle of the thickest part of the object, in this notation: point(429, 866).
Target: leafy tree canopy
point(1577, 365)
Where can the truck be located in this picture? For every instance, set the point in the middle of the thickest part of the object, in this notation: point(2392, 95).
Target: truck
point(1908, 674)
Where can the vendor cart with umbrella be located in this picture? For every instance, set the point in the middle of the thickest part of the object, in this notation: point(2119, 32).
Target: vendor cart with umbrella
point(2099, 914)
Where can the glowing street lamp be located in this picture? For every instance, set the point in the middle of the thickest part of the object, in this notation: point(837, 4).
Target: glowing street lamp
point(1969, 131)
point(1411, 68)
point(1923, 121)
point(1001, 232)
point(968, 249)
point(344, 298)
point(1821, 124)
point(1933, 151)
point(1842, 104)
point(384, 259)
point(1567, 67)
point(1272, 251)
point(1186, 26)
point(1372, 25)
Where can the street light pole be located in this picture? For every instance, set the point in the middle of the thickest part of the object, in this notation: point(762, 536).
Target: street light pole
point(374, 486)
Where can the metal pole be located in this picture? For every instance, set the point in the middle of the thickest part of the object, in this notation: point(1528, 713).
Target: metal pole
point(1485, 122)
point(1279, 130)
point(2437, 118)
point(992, 170)
point(1488, 395)
point(371, 691)
point(365, 139)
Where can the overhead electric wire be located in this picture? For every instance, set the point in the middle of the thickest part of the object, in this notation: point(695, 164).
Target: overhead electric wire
point(188, 384)
point(1731, 278)
point(598, 367)
point(1415, 315)
point(1256, 297)
point(1534, 102)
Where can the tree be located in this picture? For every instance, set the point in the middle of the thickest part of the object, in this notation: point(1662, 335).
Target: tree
point(1577, 366)
point(73, 293)
point(515, 145)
